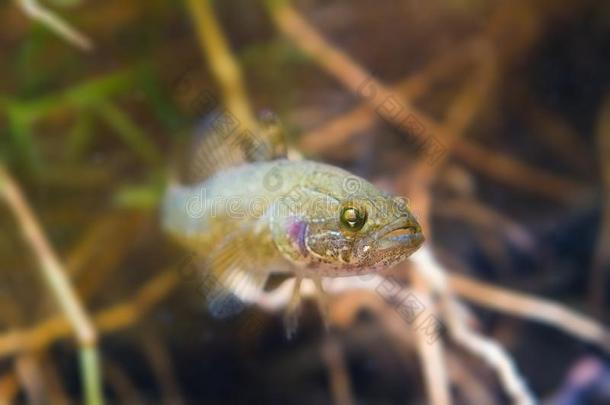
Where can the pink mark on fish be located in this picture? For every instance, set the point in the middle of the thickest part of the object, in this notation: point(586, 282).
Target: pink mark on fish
point(296, 231)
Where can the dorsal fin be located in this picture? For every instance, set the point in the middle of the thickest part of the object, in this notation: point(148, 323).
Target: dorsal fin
point(221, 142)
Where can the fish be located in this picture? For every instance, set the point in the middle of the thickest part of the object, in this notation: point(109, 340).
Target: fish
point(248, 212)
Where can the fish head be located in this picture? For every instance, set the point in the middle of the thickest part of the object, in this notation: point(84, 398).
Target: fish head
point(340, 232)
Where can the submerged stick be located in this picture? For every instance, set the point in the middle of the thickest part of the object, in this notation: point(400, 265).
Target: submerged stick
point(455, 318)
point(49, 19)
point(431, 355)
point(530, 307)
point(339, 381)
point(221, 61)
point(415, 123)
point(108, 320)
point(58, 284)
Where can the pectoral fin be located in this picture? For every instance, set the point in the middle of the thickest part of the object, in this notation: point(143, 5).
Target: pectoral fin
point(231, 278)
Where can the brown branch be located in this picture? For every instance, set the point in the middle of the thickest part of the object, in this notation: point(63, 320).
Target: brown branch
point(533, 308)
point(486, 217)
point(333, 356)
point(109, 320)
point(58, 284)
point(455, 317)
point(162, 367)
point(552, 129)
point(431, 356)
point(29, 373)
point(225, 69)
point(339, 130)
point(50, 266)
point(53, 378)
point(462, 112)
point(375, 93)
point(488, 350)
point(471, 387)
point(121, 384)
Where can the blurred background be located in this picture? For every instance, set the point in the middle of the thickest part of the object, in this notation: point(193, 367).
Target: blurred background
point(506, 158)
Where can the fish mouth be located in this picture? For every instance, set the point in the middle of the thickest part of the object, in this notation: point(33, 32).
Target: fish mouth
point(404, 232)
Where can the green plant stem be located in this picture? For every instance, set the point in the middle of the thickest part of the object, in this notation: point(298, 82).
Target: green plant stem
point(90, 366)
point(130, 133)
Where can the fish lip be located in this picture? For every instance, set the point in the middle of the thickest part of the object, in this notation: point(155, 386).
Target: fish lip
point(386, 241)
point(412, 240)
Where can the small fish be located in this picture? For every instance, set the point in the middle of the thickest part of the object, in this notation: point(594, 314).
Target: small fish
point(248, 212)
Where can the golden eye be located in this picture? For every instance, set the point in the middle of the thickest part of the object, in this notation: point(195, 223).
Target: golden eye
point(352, 218)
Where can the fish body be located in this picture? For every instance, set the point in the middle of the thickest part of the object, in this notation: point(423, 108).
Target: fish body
point(305, 218)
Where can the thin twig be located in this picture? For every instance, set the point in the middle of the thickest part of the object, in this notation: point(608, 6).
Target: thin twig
point(359, 81)
point(58, 284)
point(121, 384)
point(103, 230)
point(488, 350)
point(221, 61)
point(553, 130)
point(162, 367)
point(53, 379)
point(340, 385)
point(454, 315)
point(114, 318)
point(30, 375)
point(529, 307)
point(338, 130)
point(486, 217)
point(431, 355)
point(130, 133)
point(471, 387)
point(104, 265)
point(46, 17)
point(463, 110)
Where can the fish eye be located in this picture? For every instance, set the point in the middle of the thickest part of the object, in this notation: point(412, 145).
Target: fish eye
point(352, 218)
